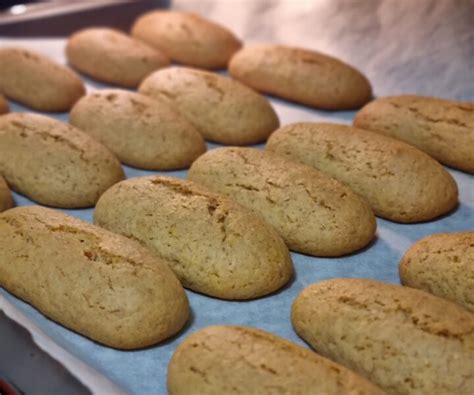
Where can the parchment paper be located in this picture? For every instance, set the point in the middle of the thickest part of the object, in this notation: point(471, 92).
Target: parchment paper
point(423, 47)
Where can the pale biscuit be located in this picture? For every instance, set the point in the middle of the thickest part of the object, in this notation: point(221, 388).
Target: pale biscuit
point(6, 200)
point(141, 131)
point(187, 38)
point(53, 163)
point(400, 182)
point(442, 128)
point(111, 56)
point(301, 75)
point(38, 82)
point(213, 245)
point(235, 360)
point(442, 264)
point(313, 213)
point(221, 109)
point(405, 340)
point(4, 108)
point(99, 284)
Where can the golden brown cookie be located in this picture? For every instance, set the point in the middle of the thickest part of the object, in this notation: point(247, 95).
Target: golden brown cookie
point(235, 360)
point(142, 132)
point(187, 38)
point(442, 128)
point(400, 182)
point(442, 264)
point(111, 56)
point(53, 163)
point(99, 284)
point(405, 340)
point(300, 75)
point(214, 246)
point(37, 82)
point(313, 213)
point(221, 109)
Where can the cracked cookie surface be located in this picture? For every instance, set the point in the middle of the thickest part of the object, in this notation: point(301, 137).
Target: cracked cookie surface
point(405, 340)
point(221, 109)
point(400, 182)
point(240, 360)
point(143, 132)
point(314, 213)
point(442, 128)
point(92, 281)
point(214, 246)
point(442, 264)
point(54, 163)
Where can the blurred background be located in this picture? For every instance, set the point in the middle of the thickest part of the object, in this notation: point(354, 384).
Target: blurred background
point(399, 44)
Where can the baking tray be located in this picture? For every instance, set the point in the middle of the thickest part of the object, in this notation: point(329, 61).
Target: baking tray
point(144, 372)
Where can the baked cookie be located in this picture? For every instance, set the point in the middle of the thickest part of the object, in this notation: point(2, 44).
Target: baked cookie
point(405, 340)
point(187, 38)
point(442, 264)
point(111, 56)
point(4, 108)
point(442, 128)
point(235, 360)
point(99, 284)
point(213, 245)
point(142, 132)
point(53, 163)
point(300, 75)
point(221, 109)
point(313, 213)
point(400, 182)
point(37, 82)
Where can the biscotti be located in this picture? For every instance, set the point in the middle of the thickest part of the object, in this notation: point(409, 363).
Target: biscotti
point(187, 38)
point(111, 56)
point(6, 200)
point(4, 108)
point(37, 82)
point(99, 284)
point(314, 213)
point(442, 128)
point(405, 340)
point(442, 264)
point(239, 360)
point(142, 132)
point(54, 163)
point(221, 109)
point(400, 182)
point(213, 245)
point(300, 75)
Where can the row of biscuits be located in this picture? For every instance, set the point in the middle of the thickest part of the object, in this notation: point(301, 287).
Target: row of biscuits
point(310, 211)
point(402, 339)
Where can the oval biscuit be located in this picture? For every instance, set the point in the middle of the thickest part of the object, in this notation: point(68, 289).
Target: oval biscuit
point(142, 132)
point(111, 56)
point(221, 109)
point(400, 182)
point(405, 340)
point(442, 264)
point(54, 163)
point(313, 213)
point(99, 284)
point(37, 82)
point(235, 360)
point(214, 246)
point(301, 75)
point(187, 38)
point(442, 128)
